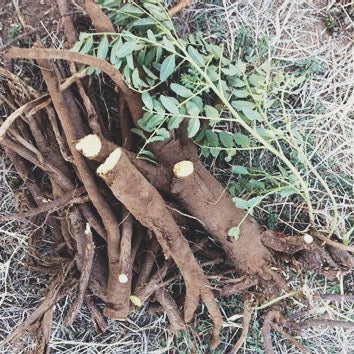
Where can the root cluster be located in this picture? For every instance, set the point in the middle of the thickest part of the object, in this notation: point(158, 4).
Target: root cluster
point(122, 227)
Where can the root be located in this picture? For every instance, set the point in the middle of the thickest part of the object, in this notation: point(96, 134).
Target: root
point(121, 309)
point(169, 305)
point(133, 100)
point(179, 7)
point(151, 211)
point(214, 207)
point(108, 218)
point(85, 248)
point(99, 19)
point(96, 315)
point(326, 322)
point(135, 199)
point(149, 261)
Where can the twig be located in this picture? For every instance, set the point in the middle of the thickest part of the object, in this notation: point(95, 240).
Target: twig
point(335, 297)
point(86, 258)
point(333, 243)
point(69, 197)
point(247, 315)
point(326, 322)
point(96, 316)
point(28, 109)
point(72, 79)
point(293, 340)
point(133, 99)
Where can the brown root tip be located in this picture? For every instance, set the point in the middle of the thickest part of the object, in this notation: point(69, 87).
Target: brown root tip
point(110, 162)
point(123, 278)
point(183, 168)
point(90, 146)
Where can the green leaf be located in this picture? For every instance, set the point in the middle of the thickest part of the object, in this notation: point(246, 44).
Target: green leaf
point(114, 49)
point(181, 90)
point(226, 139)
point(240, 170)
point(286, 192)
point(257, 80)
point(193, 127)
point(151, 35)
point(196, 56)
point(199, 102)
point(169, 104)
point(254, 201)
point(136, 78)
point(87, 46)
point(255, 184)
point(158, 54)
point(232, 70)
point(212, 138)
point(174, 122)
point(77, 46)
point(240, 203)
point(130, 61)
point(265, 133)
point(192, 108)
point(212, 113)
point(143, 22)
point(163, 132)
point(241, 66)
point(147, 100)
point(238, 83)
point(138, 132)
point(150, 73)
point(102, 49)
point(167, 67)
point(251, 114)
point(242, 140)
point(131, 9)
point(212, 73)
point(240, 104)
point(167, 44)
point(234, 232)
point(125, 49)
point(150, 121)
point(241, 93)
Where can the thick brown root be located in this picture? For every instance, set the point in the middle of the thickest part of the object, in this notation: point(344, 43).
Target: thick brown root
point(208, 201)
point(151, 211)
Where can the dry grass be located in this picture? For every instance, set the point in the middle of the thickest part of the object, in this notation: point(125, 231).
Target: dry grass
point(323, 110)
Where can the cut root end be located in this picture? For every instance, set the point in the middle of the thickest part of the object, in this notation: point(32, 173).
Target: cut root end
point(90, 146)
point(123, 278)
point(110, 162)
point(183, 168)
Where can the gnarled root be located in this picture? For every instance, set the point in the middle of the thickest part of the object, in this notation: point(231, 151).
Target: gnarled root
point(147, 206)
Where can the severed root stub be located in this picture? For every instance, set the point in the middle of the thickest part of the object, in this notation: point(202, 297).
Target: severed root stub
point(95, 147)
point(183, 169)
